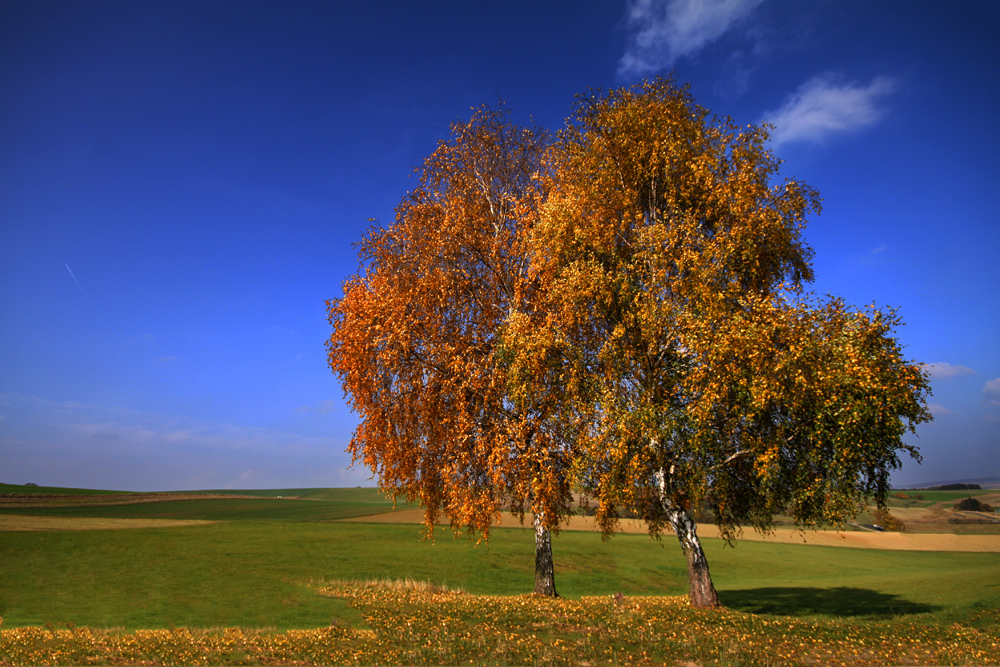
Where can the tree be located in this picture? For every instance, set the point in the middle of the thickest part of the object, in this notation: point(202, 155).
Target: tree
point(698, 371)
point(417, 342)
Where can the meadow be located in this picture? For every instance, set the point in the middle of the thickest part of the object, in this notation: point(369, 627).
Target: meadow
point(268, 580)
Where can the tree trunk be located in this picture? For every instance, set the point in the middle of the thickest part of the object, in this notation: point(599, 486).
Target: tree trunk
point(545, 574)
point(701, 591)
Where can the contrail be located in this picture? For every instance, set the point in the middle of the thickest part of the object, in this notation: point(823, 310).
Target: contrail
point(75, 280)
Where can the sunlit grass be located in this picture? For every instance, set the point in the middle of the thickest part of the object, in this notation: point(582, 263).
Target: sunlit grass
point(251, 573)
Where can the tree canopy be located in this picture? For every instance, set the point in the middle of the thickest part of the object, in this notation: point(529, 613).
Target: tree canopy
point(619, 310)
point(674, 267)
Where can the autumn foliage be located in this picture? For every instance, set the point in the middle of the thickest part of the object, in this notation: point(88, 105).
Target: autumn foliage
point(620, 310)
point(417, 340)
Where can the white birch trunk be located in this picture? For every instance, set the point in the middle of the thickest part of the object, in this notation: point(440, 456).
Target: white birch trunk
point(701, 591)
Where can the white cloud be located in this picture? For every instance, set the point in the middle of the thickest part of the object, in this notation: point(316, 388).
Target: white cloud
point(940, 370)
point(662, 31)
point(939, 410)
point(822, 107)
point(992, 391)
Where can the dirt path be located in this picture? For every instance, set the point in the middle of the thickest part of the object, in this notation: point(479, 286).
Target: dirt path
point(783, 535)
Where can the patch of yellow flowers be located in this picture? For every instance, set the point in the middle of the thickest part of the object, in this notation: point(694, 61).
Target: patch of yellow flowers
point(407, 626)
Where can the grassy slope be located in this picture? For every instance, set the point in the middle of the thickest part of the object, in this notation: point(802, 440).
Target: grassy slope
point(250, 573)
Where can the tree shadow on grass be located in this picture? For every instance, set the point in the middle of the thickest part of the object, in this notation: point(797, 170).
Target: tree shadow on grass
point(841, 602)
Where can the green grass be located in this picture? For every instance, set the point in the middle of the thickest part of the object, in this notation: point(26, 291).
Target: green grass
point(931, 497)
point(254, 573)
point(787, 579)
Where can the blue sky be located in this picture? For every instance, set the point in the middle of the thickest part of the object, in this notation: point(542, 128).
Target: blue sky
point(181, 184)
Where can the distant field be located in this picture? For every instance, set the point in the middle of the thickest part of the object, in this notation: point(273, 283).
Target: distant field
point(213, 505)
point(944, 496)
point(356, 495)
point(51, 490)
point(928, 498)
point(216, 509)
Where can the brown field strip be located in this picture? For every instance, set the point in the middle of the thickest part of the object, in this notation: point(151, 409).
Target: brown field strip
point(27, 500)
point(783, 534)
point(39, 523)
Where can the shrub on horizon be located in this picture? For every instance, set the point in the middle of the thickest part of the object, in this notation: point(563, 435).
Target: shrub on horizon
point(971, 504)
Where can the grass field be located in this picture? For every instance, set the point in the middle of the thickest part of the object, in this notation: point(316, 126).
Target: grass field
point(266, 563)
point(929, 497)
point(355, 495)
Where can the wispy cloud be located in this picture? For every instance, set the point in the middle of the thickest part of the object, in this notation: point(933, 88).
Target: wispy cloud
point(662, 31)
point(940, 370)
point(823, 107)
point(870, 256)
point(71, 275)
point(992, 391)
point(939, 410)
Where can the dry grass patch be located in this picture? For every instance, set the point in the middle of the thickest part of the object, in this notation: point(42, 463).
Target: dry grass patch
point(19, 501)
point(20, 522)
point(781, 535)
point(406, 584)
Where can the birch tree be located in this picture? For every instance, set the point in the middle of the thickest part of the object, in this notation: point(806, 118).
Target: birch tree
point(701, 373)
point(417, 342)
